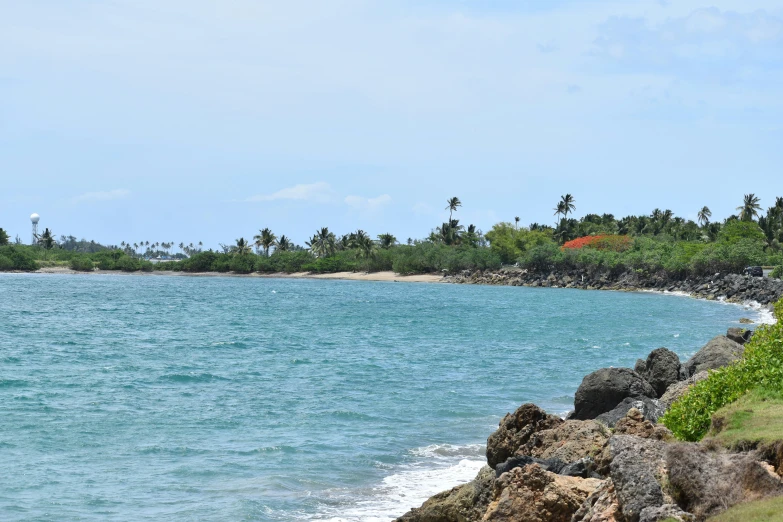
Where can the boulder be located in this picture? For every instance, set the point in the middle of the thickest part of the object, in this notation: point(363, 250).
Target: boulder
point(601, 506)
point(651, 409)
point(466, 503)
point(569, 442)
point(661, 369)
point(708, 482)
point(635, 424)
point(531, 494)
point(720, 351)
point(667, 513)
point(638, 469)
point(739, 335)
point(745, 320)
point(602, 390)
point(553, 465)
point(515, 431)
point(678, 389)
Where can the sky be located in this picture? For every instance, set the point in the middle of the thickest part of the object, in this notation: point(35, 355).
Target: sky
point(206, 120)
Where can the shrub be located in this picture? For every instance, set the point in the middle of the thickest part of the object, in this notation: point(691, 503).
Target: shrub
point(127, 264)
point(20, 257)
point(243, 264)
point(761, 367)
point(6, 263)
point(201, 262)
point(107, 259)
point(146, 266)
point(81, 264)
point(612, 243)
point(778, 272)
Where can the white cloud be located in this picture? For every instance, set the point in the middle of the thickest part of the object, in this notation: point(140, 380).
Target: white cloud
point(320, 192)
point(107, 195)
point(421, 209)
point(361, 203)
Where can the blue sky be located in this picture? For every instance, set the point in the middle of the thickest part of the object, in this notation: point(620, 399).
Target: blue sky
point(195, 120)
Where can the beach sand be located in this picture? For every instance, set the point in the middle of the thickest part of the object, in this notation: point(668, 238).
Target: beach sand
point(350, 276)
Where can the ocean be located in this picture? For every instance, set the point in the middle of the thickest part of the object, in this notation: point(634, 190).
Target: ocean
point(222, 398)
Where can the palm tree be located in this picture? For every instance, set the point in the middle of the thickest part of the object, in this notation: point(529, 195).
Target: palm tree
point(453, 204)
point(46, 239)
point(283, 244)
point(366, 246)
point(265, 239)
point(559, 209)
point(568, 204)
point(387, 240)
point(704, 215)
point(243, 247)
point(750, 207)
point(516, 223)
point(323, 243)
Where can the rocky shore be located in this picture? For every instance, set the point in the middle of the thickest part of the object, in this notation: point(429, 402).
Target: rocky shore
point(732, 287)
point(609, 461)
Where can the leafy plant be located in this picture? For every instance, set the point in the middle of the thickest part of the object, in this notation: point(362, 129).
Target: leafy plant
point(81, 264)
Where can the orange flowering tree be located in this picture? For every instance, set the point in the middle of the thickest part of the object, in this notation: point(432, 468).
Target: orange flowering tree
point(612, 243)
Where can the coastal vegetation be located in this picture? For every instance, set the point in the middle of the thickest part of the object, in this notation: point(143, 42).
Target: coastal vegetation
point(760, 372)
point(659, 243)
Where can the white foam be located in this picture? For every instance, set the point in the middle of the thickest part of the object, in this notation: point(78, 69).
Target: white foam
point(439, 468)
point(764, 314)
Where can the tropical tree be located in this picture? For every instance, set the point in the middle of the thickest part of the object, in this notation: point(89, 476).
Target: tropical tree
point(386, 240)
point(750, 207)
point(265, 239)
point(704, 215)
point(283, 244)
point(559, 210)
point(323, 243)
point(242, 247)
point(568, 204)
point(3, 237)
point(453, 204)
point(46, 239)
point(365, 246)
point(516, 222)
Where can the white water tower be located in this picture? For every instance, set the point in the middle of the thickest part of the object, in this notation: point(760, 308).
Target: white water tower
point(35, 218)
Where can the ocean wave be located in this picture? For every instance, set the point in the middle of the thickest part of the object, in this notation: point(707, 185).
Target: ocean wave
point(438, 451)
point(13, 383)
point(192, 377)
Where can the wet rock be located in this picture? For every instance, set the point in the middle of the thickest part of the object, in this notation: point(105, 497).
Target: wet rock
point(720, 351)
point(466, 503)
point(531, 494)
point(678, 389)
point(515, 431)
point(651, 409)
point(551, 465)
point(661, 369)
point(745, 320)
point(602, 390)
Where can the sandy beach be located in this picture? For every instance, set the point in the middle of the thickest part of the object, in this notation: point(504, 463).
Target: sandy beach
point(349, 276)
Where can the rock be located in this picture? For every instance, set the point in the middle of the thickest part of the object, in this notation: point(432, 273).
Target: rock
point(638, 468)
point(651, 409)
point(678, 389)
point(602, 390)
point(745, 320)
point(720, 351)
point(569, 441)
point(635, 424)
point(552, 465)
point(708, 482)
point(661, 369)
point(584, 468)
point(515, 431)
point(601, 506)
point(739, 335)
point(666, 512)
point(466, 503)
point(531, 494)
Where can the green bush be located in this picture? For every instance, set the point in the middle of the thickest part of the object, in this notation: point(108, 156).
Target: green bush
point(284, 262)
point(21, 258)
point(127, 264)
point(6, 263)
point(146, 266)
point(761, 367)
point(82, 264)
point(107, 259)
point(243, 264)
point(777, 272)
point(201, 262)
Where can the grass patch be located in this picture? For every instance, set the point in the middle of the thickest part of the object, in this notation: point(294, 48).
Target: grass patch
point(769, 510)
point(755, 417)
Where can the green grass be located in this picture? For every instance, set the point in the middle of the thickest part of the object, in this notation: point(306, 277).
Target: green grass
point(755, 417)
point(769, 510)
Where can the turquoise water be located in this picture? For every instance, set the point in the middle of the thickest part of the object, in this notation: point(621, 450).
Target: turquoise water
point(177, 398)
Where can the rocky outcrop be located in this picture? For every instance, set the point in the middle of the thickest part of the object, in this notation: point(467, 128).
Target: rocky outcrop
point(515, 431)
point(531, 494)
point(568, 442)
point(739, 335)
point(638, 469)
point(720, 351)
point(601, 506)
point(732, 287)
point(678, 389)
point(661, 369)
point(602, 390)
point(466, 503)
point(667, 513)
point(635, 424)
point(707, 482)
point(651, 409)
